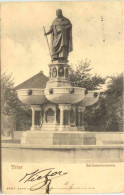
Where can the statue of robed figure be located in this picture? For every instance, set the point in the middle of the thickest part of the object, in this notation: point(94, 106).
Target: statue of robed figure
point(61, 37)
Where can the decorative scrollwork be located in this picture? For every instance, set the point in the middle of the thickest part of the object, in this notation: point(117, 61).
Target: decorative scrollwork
point(71, 90)
point(51, 91)
point(95, 94)
point(54, 72)
point(86, 92)
point(50, 72)
point(66, 73)
point(61, 71)
point(29, 92)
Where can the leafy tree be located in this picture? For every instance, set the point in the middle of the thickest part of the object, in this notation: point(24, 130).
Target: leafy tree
point(81, 76)
point(13, 112)
point(114, 103)
point(107, 113)
point(8, 98)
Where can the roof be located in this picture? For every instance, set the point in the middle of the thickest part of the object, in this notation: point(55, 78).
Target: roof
point(37, 81)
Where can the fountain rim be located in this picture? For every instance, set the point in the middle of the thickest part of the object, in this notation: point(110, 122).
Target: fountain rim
point(30, 88)
point(66, 87)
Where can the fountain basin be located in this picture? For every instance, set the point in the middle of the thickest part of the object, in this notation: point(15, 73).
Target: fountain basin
point(90, 98)
point(65, 95)
point(31, 96)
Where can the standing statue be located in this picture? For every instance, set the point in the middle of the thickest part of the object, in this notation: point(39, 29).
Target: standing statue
point(61, 37)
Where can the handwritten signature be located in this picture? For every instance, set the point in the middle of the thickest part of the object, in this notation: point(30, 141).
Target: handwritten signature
point(45, 177)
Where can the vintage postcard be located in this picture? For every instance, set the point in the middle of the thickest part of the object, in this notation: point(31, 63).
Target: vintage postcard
point(62, 97)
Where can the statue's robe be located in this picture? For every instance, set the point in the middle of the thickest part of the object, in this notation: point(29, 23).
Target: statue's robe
point(61, 38)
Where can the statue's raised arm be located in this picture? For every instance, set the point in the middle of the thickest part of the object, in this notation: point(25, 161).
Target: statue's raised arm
point(61, 37)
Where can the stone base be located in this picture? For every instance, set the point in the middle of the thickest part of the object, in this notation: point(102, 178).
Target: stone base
point(35, 128)
point(64, 128)
point(61, 154)
point(80, 128)
point(69, 128)
point(49, 127)
point(56, 127)
point(48, 138)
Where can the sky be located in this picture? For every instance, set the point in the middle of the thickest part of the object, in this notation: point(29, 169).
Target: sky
point(97, 36)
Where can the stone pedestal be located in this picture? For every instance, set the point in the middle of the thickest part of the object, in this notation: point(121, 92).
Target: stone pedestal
point(58, 138)
point(57, 110)
point(43, 138)
point(58, 74)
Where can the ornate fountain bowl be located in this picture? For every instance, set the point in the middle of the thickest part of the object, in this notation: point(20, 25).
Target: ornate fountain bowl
point(90, 98)
point(31, 96)
point(65, 95)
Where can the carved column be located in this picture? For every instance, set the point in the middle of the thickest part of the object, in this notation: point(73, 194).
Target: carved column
point(61, 116)
point(55, 121)
point(64, 107)
point(36, 108)
point(33, 118)
point(73, 119)
point(80, 111)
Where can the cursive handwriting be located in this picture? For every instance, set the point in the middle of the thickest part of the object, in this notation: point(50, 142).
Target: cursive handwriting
point(41, 178)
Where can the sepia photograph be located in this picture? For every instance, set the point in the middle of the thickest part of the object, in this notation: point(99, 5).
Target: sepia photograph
point(62, 97)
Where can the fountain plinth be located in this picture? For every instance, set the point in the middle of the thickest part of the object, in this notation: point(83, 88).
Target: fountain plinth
point(57, 110)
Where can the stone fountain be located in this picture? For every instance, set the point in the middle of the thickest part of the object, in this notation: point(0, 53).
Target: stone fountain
point(57, 110)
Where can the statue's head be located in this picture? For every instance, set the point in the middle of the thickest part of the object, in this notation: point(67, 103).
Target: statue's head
point(59, 13)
